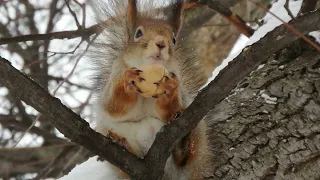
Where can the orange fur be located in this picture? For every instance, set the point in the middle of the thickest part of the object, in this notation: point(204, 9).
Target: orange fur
point(121, 101)
point(121, 140)
point(168, 106)
point(120, 173)
point(189, 5)
point(185, 153)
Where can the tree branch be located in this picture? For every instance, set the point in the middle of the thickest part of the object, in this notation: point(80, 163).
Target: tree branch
point(34, 159)
point(66, 121)
point(55, 35)
point(78, 130)
point(86, 32)
point(22, 126)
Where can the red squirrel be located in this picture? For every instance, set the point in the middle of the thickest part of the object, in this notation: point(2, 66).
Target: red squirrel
point(136, 34)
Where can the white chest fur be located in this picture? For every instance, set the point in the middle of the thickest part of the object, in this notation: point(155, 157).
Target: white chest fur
point(139, 126)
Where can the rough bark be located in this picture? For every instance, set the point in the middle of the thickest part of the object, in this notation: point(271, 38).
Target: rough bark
point(269, 127)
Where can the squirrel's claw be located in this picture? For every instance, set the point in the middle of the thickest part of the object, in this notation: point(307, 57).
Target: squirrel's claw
point(173, 75)
point(122, 141)
point(168, 84)
point(132, 75)
point(176, 116)
point(138, 71)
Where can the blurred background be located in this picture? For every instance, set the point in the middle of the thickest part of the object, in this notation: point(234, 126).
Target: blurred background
point(30, 147)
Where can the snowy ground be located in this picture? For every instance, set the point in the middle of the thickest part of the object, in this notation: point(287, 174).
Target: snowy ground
point(91, 169)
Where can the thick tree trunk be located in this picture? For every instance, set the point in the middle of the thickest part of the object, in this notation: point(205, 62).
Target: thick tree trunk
point(269, 128)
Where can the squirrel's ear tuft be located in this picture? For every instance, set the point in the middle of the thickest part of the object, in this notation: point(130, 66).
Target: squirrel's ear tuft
point(177, 15)
point(132, 13)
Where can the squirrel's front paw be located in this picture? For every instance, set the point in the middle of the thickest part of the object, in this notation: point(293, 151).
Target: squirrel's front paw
point(167, 86)
point(168, 104)
point(132, 76)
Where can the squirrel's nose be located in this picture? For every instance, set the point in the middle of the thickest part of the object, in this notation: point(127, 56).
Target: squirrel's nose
point(160, 44)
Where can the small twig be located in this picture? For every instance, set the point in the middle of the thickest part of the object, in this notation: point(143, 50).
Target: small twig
point(70, 52)
point(73, 14)
point(293, 30)
point(33, 123)
point(83, 7)
point(51, 55)
point(74, 156)
point(286, 6)
point(7, 121)
point(59, 79)
point(49, 167)
point(75, 65)
point(83, 15)
point(37, 61)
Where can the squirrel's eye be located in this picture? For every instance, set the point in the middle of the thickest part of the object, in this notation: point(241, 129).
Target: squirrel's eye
point(138, 34)
point(174, 40)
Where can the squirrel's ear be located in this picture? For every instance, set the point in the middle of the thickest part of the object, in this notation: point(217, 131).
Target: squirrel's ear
point(132, 13)
point(177, 15)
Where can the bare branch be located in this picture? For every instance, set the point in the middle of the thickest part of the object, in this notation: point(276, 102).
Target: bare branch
point(75, 65)
point(77, 129)
point(62, 156)
point(7, 121)
point(32, 160)
point(26, 131)
point(73, 14)
point(55, 35)
point(286, 6)
point(85, 33)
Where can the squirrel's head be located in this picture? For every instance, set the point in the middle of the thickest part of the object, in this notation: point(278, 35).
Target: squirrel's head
point(152, 41)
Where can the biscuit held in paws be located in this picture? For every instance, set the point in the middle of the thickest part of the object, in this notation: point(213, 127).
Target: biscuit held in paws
point(152, 75)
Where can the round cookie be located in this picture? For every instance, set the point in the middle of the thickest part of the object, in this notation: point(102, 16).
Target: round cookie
point(152, 75)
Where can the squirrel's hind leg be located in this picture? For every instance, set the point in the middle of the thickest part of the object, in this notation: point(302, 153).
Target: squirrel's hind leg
point(192, 154)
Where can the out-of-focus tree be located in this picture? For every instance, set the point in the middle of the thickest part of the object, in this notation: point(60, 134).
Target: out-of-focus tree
point(30, 144)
